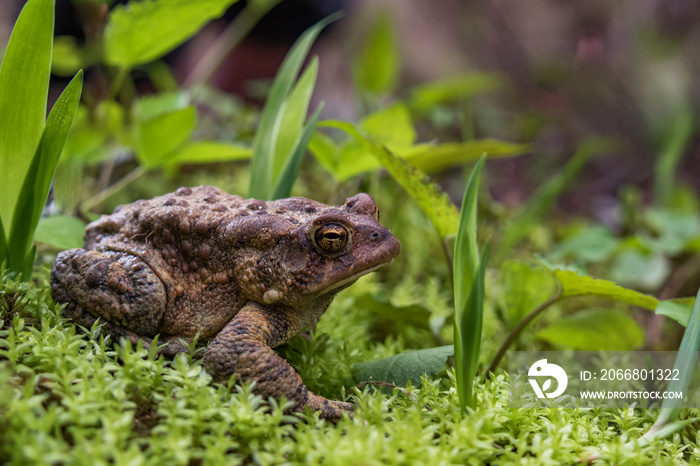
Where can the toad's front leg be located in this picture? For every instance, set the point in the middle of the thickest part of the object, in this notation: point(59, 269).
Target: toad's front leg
point(245, 345)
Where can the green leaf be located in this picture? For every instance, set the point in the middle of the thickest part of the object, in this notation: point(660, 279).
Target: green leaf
point(152, 106)
point(3, 243)
point(677, 309)
point(290, 170)
point(404, 367)
point(264, 143)
point(37, 183)
point(574, 284)
point(60, 231)
point(595, 329)
point(590, 244)
point(160, 136)
point(293, 117)
point(524, 287)
point(376, 67)
point(139, 32)
point(686, 364)
point(325, 150)
point(681, 134)
point(466, 253)
point(455, 88)
point(469, 276)
point(631, 268)
point(389, 126)
point(443, 156)
point(434, 203)
point(413, 314)
point(468, 329)
point(24, 82)
point(209, 152)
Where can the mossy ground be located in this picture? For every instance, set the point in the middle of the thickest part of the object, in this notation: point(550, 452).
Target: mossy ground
point(71, 396)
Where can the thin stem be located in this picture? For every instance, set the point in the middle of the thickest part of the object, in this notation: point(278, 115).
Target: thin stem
point(116, 84)
point(227, 41)
point(113, 189)
point(519, 328)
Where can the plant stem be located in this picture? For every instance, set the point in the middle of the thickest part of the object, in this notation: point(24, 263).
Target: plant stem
point(519, 328)
point(227, 41)
point(114, 188)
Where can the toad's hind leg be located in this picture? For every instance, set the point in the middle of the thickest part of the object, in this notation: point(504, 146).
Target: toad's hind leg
point(244, 347)
point(116, 287)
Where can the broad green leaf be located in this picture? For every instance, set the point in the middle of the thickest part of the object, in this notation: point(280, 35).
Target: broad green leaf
point(290, 170)
point(469, 277)
point(468, 336)
point(595, 329)
point(139, 32)
point(60, 231)
point(376, 67)
point(37, 183)
point(160, 136)
point(390, 126)
point(677, 309)
point(634, 269)
point(675, 229)
point(404, 367)
point(293, 117)
point(209, 152)
point(413, 314)
point(443, 156)
point(24, 82)
point(574, 284)
point(149, 107)
point(546, 195)
point(434, 203)
point(325, 150)
point(524, 287)
point(590, 244)
point(455, 88)
point(264, 143)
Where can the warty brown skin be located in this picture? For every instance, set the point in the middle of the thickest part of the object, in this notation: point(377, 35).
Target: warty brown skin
point(246, 274)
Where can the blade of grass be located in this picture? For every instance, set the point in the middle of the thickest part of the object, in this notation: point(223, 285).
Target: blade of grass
point(468, 292)
point(37, 182)
point(466, 256)
point(290, 170)
point(686, 362)
point(3, 243)
point(24, 80)
point(294, 112)
point(544, 197)
point(265, 140)
point(681, 133)
point(468, 324)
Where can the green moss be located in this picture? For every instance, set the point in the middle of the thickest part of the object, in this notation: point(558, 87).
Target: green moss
point(70, 396)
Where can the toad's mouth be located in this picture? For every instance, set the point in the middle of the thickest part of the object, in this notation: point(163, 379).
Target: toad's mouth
point(350, 279)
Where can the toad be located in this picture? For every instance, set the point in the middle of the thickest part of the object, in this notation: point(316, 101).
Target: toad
point(245, 274)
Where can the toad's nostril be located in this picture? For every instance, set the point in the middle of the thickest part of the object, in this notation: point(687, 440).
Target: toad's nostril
point(375, 235)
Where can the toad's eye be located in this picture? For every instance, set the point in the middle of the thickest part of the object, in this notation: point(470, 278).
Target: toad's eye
point(331, 237)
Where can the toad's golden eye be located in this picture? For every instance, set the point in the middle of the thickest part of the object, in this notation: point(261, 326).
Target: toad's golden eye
point(331, 237)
